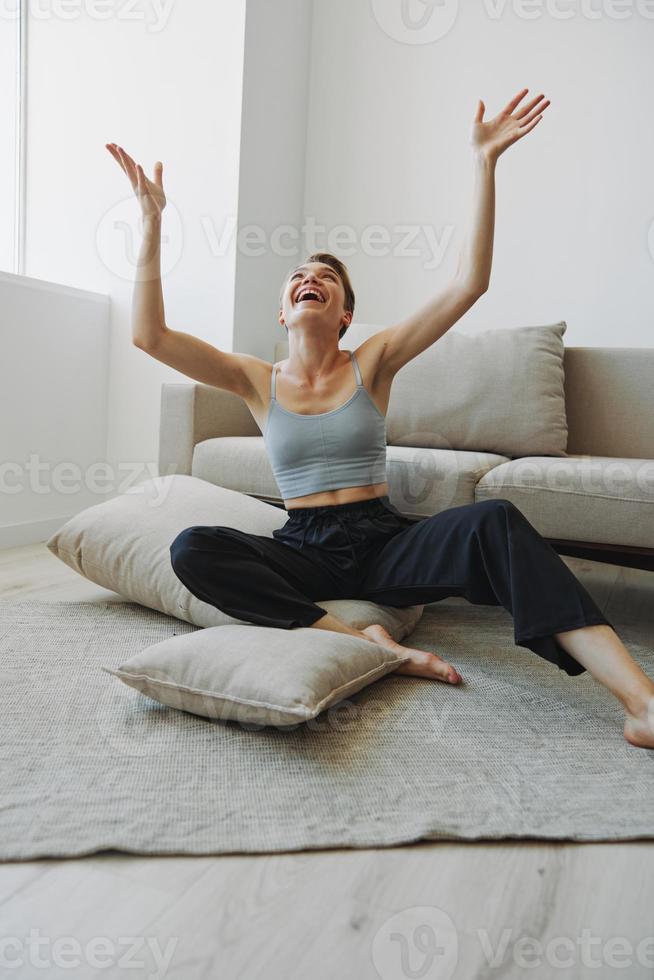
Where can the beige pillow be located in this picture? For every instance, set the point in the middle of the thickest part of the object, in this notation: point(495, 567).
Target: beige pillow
point(262, 676)
point(498, 391)
point(123, 544)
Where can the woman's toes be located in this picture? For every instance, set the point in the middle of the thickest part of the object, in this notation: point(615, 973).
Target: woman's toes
point(453, 676)
point(440, 668)
point(430, 666)
point(444, 670)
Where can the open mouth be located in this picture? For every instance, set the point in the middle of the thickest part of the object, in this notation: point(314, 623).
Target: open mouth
point(310, 296)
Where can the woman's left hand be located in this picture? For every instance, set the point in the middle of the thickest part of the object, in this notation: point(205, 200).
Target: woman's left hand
point(493, 137)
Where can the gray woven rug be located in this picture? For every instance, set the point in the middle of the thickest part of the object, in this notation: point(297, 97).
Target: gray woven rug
point(522, 750)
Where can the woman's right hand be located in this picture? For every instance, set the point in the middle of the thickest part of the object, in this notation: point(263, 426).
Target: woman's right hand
point(150, 193)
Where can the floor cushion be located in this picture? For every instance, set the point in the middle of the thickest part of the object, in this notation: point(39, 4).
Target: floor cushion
point(262, 676)
point(123, 544)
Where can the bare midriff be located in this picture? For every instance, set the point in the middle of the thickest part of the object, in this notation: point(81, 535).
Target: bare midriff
point(344, 495)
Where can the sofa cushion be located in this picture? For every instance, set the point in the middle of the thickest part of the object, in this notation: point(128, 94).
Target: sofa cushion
point(609, 401)
point(264, 676)
point(238, 463)
point(123, 544)
point(421, 481)
point(498, 391)
point(425, 481)
point(599, 499)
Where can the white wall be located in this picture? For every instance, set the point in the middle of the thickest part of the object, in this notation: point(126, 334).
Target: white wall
point(387, 145)
point(53, 405)
point(168, 89)
point(276, 85)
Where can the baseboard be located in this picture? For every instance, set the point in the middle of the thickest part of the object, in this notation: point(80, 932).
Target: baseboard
point(30, 532)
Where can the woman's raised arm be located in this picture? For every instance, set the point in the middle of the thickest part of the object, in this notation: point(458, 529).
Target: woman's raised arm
point(489, 140)
point(404, 341)
point(238, 373)
point(148, 319)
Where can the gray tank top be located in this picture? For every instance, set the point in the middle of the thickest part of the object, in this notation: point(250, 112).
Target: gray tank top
point(328, 451)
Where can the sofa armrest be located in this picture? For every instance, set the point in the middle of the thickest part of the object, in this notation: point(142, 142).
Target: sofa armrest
point(191, 413)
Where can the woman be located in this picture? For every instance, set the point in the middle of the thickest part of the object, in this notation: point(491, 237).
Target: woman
point(326, 443)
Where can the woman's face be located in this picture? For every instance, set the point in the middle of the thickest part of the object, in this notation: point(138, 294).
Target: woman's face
point(324, 306)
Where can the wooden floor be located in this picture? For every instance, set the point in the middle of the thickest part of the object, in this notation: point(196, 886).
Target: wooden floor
point(434, 911)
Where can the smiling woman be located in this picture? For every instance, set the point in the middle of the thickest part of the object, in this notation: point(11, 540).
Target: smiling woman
point(343, 538)
point(330, 268)
point(326, 443)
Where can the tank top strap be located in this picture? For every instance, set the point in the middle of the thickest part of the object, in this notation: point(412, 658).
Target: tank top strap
point(357, 372)
point(273, 381)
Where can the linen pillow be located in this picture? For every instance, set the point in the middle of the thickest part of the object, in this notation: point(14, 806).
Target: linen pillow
point(496, 391)
point(264, 676)
point(123, 544)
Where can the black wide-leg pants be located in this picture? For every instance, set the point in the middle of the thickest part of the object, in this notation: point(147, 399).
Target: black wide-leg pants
point(487, 552)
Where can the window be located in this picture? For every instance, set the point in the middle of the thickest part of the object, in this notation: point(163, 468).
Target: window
point(13, 25)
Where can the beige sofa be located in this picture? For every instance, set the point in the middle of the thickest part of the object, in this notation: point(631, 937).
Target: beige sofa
point(591, 495)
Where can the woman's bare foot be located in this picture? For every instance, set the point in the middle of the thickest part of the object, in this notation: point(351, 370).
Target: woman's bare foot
point(420, 663)
point(639, 726)
point(600, 650)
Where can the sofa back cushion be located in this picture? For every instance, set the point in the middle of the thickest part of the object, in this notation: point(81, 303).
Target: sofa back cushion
point(498, 391)
point(609, 395)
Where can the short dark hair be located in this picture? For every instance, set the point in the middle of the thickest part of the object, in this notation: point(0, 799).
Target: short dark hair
point(328, 259)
